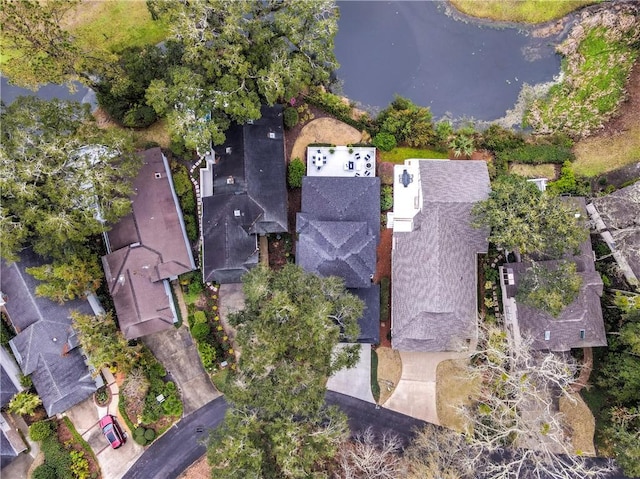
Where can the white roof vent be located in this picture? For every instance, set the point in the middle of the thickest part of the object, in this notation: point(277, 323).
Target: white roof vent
point(230, 180)
point(228, 150)
point(158, 175)
point(236, 213)
point(272, 135)
point(547, 335)
point(249, 122)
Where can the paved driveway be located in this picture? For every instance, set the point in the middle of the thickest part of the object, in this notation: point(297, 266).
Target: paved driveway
point(356, 381)
point(415, 394)
point(176, 350)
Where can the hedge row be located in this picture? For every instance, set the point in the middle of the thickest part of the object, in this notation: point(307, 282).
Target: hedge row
point(334, 105)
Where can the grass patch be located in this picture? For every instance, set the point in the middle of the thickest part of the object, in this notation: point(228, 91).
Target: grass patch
point(375, 387)
point(533, 171)
point(600, 154)
point(219, 379)
point(389, 372)
point(454, 388)
point(525, 11)
point(113, 25)
point(398, 155)
point(580, 421)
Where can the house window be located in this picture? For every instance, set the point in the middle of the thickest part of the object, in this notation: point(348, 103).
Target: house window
point(582, 334)
point(547, 335)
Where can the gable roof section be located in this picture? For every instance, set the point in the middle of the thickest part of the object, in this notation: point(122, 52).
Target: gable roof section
point(147, 247)
point(229, 249)
point(434, 267)
point(249, 174)
point(46, 348)
point(584, 313)
point(338, 231)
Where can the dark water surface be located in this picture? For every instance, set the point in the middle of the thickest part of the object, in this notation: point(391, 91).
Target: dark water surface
point(415, 50)
point(9, 92)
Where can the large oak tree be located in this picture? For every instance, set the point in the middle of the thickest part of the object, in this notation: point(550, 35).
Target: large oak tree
point(278, 424)
point(239, 54)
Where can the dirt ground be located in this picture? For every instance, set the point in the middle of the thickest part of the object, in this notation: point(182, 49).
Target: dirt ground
point(389, 372)
point(198, 470)
point(324, 130)
point(580, 421)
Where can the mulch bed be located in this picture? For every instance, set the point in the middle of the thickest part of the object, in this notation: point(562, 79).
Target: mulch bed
point(64, 436)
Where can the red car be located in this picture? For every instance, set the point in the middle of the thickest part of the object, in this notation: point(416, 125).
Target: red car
point(112, 431)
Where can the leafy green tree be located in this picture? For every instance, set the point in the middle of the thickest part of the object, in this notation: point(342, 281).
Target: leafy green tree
point(384, 141)
point(549, 289)
point(103, 342)
point(407, 122)
point(524, 219)
point(238, 55)
point(40, 49)
point(56, 189)
point(278, 424)
point(24, 403)
point(66, 280)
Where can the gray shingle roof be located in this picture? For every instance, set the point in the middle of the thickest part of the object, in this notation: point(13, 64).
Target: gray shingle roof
point(434, 267)
point(253, 155)
point(584, 313)
point(338, 231)
point(148, 246)
point(46, 347)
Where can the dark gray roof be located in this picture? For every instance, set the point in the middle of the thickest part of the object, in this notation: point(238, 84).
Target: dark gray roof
point(7, 388)
point(46, 348)
point(147, 247)
point(620, 212)
point(584, 313)
point(370, 321)
point(434, 267)
point(249, 171)
point(338, 231)
point(230, 250)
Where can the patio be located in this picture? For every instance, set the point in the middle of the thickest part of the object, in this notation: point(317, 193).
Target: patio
point(341, 161)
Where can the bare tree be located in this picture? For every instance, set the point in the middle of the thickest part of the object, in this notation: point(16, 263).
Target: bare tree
point(515, 420)
point(370, 457)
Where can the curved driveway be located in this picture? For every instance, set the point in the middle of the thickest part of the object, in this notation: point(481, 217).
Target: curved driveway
point(184, 443)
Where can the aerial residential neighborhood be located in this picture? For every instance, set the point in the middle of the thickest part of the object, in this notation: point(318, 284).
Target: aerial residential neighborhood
point(320, 239)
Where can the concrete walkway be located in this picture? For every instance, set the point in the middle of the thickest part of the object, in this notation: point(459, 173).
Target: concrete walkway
point(415, 394)
point(355, 382)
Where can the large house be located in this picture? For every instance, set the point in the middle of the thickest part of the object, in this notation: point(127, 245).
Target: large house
point(11, 444)
point(435, 254)
point(243, 190)
point(338, 232)
point(578, 325)
point(147, 249)
point(46, 347)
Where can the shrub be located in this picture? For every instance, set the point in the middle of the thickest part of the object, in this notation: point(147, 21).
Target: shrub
point(385, 289)
point(56, 456)
point(24, 402)
point(568, 183)
point(40, 430)
point(291, 117)
point(199, 317)
point(385, 141)
point(409, 123)
point(200, 331)
point(191, 226)
point(375, 387)
point(462, 145)
point(149, 434)
point(296, 172)
point(443, 130)
point(79, 465)
point(25, 381)
point(172, 406)
point(334, 105)
point(537, 154)
point(181, 182)
point(44, 471)
point(386, 198)
point(195, 288)
point(497, 138)
point(138, 436)
point(385, 172)
point(207, 354)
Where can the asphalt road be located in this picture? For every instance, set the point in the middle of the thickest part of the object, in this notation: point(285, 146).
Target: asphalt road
point(184, 443)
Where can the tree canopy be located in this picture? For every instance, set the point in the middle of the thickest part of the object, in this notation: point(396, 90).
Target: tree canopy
point(62, 177)
point(238, 55)
point(278, 424)
point(528, 221)
point(407, 122)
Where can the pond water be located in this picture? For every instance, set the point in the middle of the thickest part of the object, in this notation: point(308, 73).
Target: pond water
point(9, 92)
point(458, 69)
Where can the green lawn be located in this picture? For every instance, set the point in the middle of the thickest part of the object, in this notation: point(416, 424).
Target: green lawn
point(398, 155)
point(526, 11)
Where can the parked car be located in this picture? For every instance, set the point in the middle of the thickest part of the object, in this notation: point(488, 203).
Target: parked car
point(111, 430)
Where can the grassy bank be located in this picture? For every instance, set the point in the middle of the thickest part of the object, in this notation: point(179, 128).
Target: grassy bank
point(398, 155)
point(522, 11)
point(602, 153)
